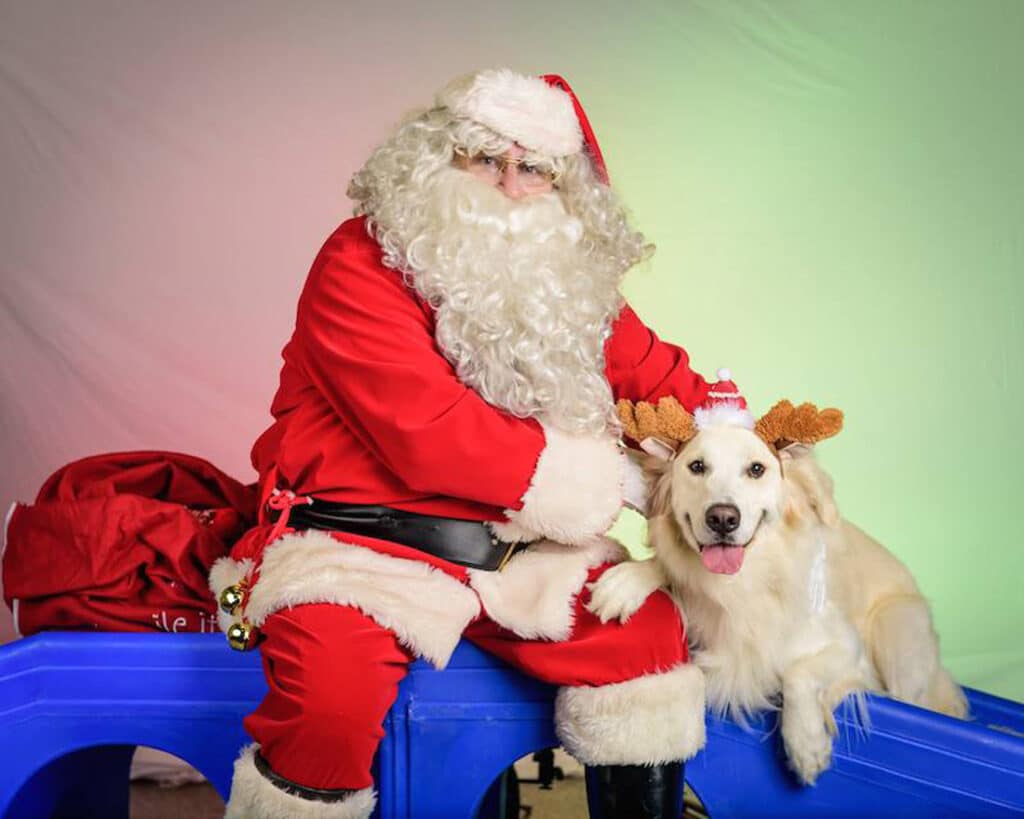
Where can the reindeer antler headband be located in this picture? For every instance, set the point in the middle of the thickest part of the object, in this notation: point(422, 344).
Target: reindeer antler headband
point(781, 426)
point(785, 424)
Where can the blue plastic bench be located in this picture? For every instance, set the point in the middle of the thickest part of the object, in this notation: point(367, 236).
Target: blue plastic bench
point(73, 707)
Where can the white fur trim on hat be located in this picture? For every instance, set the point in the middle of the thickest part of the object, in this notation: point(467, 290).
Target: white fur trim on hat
point(724, 413)
point(253, 796)
point(651, 720)
point(425, 608)
point(525, 109)
point(575, 494)
point(534, 596)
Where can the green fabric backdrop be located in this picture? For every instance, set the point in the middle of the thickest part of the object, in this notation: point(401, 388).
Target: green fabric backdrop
point(835, 190)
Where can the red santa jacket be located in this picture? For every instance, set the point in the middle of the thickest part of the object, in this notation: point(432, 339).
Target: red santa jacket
point(370, 411)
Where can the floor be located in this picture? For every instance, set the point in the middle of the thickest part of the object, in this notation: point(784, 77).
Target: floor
point(566, 799)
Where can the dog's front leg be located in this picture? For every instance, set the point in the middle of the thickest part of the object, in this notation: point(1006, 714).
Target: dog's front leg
point(622, 589)
point(807, 721)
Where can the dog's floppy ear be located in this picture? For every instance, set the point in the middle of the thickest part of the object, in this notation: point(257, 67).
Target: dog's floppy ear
point(662, 430)
point(791, 433)
point(790, 452)
point(808, 485)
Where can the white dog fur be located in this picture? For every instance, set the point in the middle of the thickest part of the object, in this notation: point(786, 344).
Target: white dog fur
point(816, 611)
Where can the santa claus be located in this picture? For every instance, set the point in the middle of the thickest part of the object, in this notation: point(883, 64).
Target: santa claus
point(444, 461)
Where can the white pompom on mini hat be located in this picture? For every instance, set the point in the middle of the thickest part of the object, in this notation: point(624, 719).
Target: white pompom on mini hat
point(528, 110)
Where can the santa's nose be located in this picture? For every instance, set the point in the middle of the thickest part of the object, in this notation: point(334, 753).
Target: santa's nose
point(510, 184)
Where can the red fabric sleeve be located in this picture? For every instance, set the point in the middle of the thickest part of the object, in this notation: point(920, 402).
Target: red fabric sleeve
point(367, 344)
point(642, 367)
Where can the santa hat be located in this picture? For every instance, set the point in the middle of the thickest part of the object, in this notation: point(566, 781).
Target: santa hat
point(540, 113)
point(724, 405)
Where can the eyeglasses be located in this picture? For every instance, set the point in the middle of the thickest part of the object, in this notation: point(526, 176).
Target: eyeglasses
point(492, 168)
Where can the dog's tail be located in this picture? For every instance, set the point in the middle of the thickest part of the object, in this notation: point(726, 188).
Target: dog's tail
point(904, 647)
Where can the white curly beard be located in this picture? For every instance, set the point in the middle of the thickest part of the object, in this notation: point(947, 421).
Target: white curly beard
point(522, 310)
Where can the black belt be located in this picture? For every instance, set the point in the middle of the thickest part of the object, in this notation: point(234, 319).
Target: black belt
point(465, 542)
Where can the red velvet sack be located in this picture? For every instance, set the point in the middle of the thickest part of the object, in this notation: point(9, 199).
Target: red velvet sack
point(123, 542)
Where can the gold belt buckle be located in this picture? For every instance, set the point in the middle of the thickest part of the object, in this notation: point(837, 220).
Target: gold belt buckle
point(511, 550)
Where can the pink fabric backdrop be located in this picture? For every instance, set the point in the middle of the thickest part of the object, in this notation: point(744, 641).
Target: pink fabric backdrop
point(168, 173)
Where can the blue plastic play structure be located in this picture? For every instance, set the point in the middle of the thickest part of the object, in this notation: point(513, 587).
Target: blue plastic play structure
point(73, 707)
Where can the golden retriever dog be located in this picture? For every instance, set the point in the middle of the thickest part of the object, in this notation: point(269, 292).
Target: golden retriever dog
point(780, 595)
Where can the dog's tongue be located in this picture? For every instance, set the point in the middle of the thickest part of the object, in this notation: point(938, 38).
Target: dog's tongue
point(722, 559)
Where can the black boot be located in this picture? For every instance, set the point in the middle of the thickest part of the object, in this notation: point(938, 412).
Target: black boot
point(635, 791)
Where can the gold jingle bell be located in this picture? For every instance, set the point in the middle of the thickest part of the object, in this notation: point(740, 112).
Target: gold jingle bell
point(240, 636)
point(231, 599)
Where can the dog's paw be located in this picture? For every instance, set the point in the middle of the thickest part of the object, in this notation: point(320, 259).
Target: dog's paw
point(808, 743)
point(622, 589)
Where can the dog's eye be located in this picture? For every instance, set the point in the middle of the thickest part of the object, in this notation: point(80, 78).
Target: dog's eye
point(756, 470)
point(696, 467)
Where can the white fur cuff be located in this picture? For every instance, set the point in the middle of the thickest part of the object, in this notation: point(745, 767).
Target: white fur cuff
point(253, 796)
point(647, 721)
point(575, 494)
point(425, 608)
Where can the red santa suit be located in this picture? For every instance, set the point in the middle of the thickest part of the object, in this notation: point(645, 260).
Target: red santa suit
point(369, 411)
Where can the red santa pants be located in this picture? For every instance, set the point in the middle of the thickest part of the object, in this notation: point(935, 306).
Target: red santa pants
point(333, 674)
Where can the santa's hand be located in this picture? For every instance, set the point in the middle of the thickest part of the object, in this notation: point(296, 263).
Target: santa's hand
point(622, 590)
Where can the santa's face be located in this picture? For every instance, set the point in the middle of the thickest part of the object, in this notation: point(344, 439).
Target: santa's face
point(508, 173)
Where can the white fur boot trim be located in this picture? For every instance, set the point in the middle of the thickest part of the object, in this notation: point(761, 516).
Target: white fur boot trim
point(575, 494)
point(253, 796)
point(651, 720)
point(535, 594)
point(425, 608)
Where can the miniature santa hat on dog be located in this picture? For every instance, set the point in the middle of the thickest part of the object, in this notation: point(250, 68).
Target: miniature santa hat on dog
point(724, 405)
point(541, 114)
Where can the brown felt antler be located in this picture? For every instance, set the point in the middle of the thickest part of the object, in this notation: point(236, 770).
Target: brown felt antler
point(785, 424)
point(668, 421)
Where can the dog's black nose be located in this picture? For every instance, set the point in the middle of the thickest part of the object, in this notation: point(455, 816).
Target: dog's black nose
point(722, 518)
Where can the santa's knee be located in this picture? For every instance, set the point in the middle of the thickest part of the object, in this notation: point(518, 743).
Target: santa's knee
point(320, 746)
